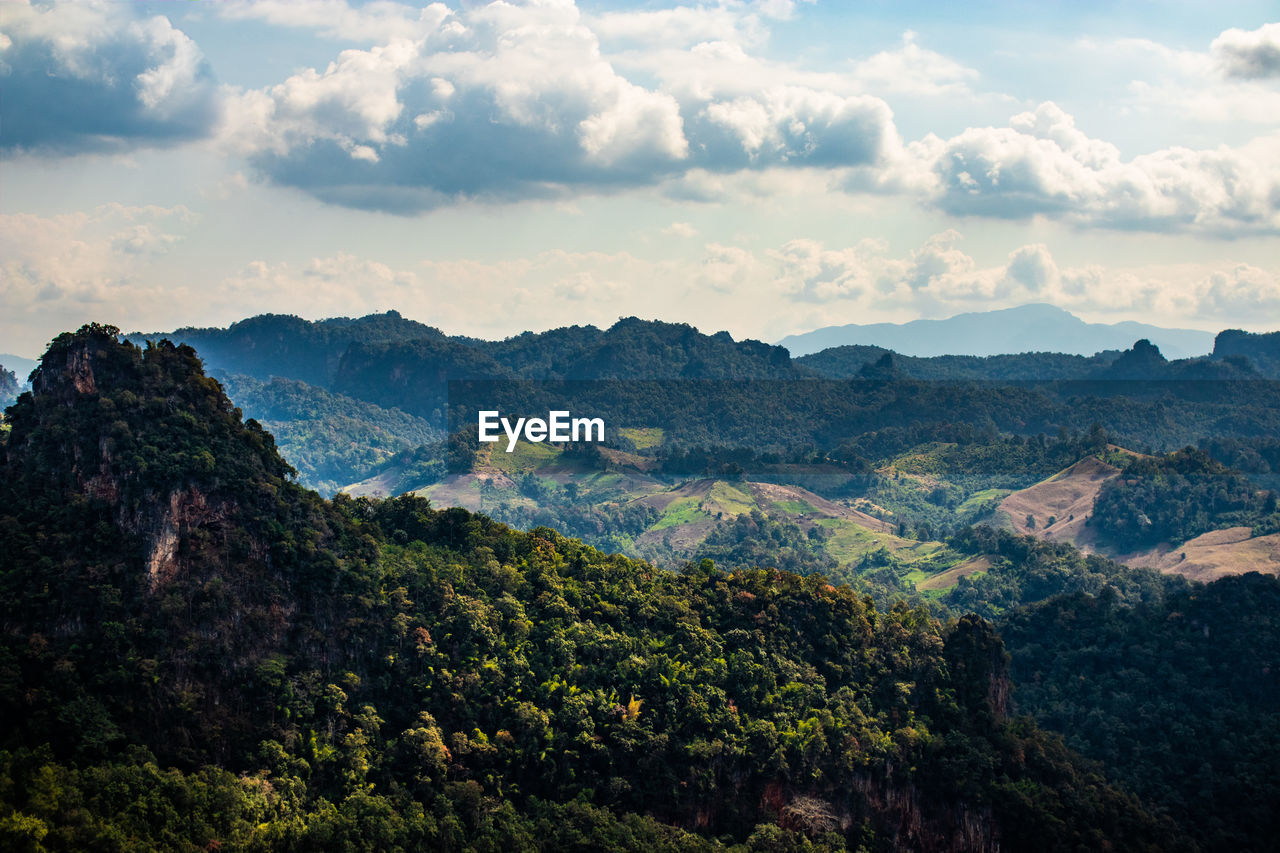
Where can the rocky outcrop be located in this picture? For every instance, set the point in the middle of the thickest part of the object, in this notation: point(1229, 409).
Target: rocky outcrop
point(165, 524)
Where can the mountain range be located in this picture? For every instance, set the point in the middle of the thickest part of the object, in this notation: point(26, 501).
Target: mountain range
point(202, 654)
point(1027, 328)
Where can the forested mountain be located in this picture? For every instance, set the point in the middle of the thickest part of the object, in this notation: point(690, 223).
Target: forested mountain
point(852, 362)
point(290, 347)
point(1178, 695)
point(1263, 350)
point(1141, 362)
point(1026, 328)
point(199, 654)
point(652, 372)
point(328, 437)
point(286, 346)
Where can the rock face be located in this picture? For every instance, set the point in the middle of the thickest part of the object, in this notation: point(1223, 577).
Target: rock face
point(134, 496)
point(184, 513)
point(69, 369)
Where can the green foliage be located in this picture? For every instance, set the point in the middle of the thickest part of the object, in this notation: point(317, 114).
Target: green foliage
point(200, 653)
point(1178, 497)
point(333, 440)
point(1178, 695)
point(1026, 570)
point(753, 539)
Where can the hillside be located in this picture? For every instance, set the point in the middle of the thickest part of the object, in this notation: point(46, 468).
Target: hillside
point(1184, 514)
point(1263, 350)
point(189, 637)
point(1181, 698)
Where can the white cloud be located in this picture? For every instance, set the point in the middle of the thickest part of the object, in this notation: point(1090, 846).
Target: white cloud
point(492, 101)
point(1198, 86)
point(1251, 54)
point(728, 269)
point(370, 22)
point(1043, 165)
point(94, 77)
point(505, 102)
point(1243, 291)
point(679, 229)
point(938, 279)
point(75, 267)
point(336, 285)
point(793, 124)
point(914, 70)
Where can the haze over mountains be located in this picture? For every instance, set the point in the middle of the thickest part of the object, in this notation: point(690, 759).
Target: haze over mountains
point(1027, 328)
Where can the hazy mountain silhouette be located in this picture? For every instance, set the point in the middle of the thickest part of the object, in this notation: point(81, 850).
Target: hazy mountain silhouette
point(1028, 328)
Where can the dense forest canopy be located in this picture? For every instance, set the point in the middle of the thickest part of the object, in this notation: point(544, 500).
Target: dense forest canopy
point(199, 652)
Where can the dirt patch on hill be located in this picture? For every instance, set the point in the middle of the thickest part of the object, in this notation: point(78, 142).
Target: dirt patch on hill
point(823, 508)
point(1072, 492)
point(681, 539)
point(379, 486)
point(1216, 554)
point(1067, 498)
point(948, 579)
point(463, 490)
point(691, 489)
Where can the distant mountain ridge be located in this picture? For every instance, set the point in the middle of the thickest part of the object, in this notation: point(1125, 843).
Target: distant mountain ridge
point(20, 366)
point(1027, 328)
point(344, 395)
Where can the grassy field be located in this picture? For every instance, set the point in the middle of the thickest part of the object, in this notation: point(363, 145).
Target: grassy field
point(643, 437)
point(977, 499)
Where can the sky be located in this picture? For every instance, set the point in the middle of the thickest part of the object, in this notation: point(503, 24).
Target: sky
point(764, 167)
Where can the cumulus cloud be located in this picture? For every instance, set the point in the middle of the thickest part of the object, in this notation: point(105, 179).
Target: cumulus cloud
point(938, 278)
point(1190, 85)
point(336, 285)
point(797, 125)
point(493, 102)
point(509, 102)
point(377, 21)
point(1042, 164)
point(506, 102)
point(679, 229)
point(94, 77)
point(1243, 291)
point(1250, 55)
point(512, 101)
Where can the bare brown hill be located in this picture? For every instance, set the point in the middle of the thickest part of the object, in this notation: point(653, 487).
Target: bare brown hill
point(1057, 508)
point(1218, 553)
